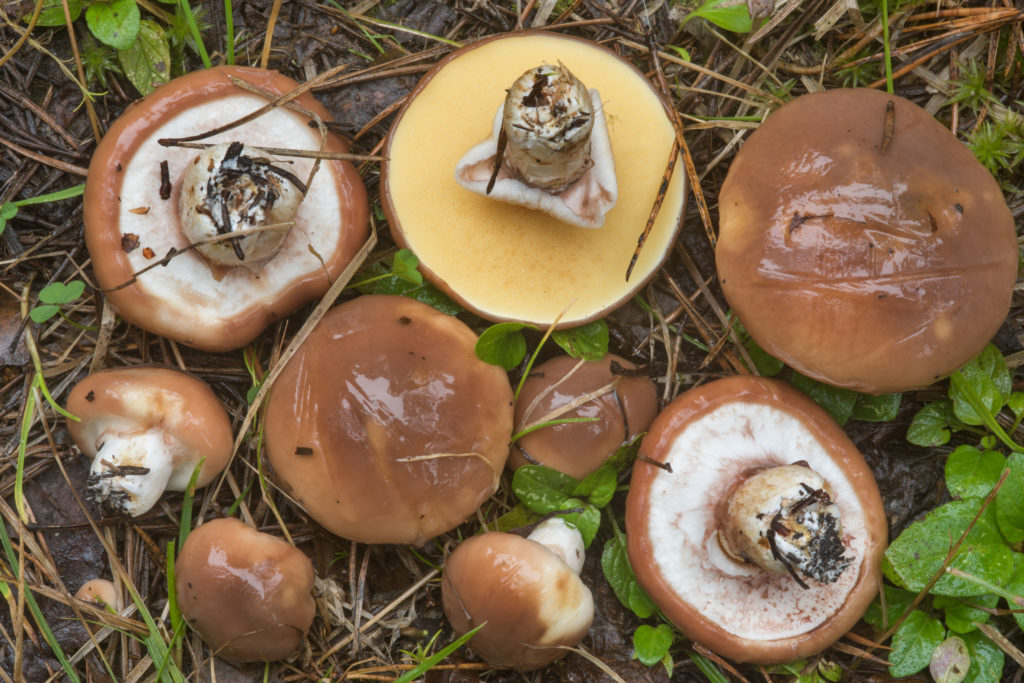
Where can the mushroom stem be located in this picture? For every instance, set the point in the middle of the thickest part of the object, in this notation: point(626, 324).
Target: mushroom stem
point(563, 540)
point(546, 122)
point(129, 473)
point(783, 519)
point(232, 187)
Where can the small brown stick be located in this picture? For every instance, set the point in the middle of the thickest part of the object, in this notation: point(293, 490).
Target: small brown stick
point(889, 125)
point(499, 155)
point(282, 151)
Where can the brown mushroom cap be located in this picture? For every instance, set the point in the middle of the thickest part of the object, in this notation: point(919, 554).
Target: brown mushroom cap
point(247, 593)
point(534, 604)
point(579, 448)
point(713, 437)
point(875, 270)
point(100, 592)
point(128, 226)
point(385, 426)
point(506, 262)
point(124, 402)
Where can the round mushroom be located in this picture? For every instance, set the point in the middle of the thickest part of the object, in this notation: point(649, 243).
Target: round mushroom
point(620, 402)
point(532, 600)
point(247, 593)
point(100, 592)
point(863, 244)
point(401, 441)
point(507, 262)
point(749, 490)
point(144, 201)
point(146, 429)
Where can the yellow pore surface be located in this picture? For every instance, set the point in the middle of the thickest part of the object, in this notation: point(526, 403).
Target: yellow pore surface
point(512, 263)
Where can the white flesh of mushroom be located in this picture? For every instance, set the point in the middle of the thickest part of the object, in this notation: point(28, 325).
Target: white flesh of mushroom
point(561, 539)
point(708, 457)
point(231, 187)
point(558, 156)
point(130, 472)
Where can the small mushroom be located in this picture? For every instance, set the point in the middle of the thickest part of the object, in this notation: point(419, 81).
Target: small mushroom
point(146, 429)
point(621, 402)
point(749, 491)
point(247, 593)
point(863, 244)
point(145, 202)
point(507, 262)
point(532, 599)
point(100, 592)
point(401, 440)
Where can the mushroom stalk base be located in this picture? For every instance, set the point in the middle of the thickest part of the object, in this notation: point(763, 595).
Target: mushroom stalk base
point(129, 473)
point(561, 539)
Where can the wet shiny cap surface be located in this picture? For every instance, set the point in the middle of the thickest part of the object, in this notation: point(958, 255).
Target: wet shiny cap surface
point(863, 244)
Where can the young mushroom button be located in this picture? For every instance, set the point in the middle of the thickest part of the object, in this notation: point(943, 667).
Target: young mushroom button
point(530, 260)
point(247, 593)
point(527, 590)
point(863, 244)
point(385, 426)
point(146, 429)
point(210, 246)
point(749, 490)
point(619, 401)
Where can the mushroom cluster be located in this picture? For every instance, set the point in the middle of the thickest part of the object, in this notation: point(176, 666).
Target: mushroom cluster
point(401, 441)
point(146, 204)
point(749, 490)
point(877, 254)
point(146, 430)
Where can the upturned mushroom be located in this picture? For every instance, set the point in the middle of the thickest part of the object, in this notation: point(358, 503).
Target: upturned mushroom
point(401, 441)
point(145, 202)
point(146, 429)
point(748, 490)
point(508, 262)
point(863, 244)
point(619, 402)
point(247, 593)
point(527, 590)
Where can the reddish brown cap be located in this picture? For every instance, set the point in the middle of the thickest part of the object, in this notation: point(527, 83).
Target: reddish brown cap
point(179, 410)
point(875, 269)
point(247, 593)
point(535, 606)
point(623, 403)
point(712, 438)
point(385, 426)
point(128, 226)
point(506, 262)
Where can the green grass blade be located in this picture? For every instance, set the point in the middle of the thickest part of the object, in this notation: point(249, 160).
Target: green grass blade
point(429, 662)
point(57, 196)
point(229, 29)
point(194, 29)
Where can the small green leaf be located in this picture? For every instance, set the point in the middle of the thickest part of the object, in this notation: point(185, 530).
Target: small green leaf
point(897, 601)
point(986, 659)
point(883, 408)
point(503, 344)
point(985, 378)
point(971, 473)
point(651, 644)
point(115, 23)
point(589, 342)
point(683, 53)
point(913, 644)
point(40, 314)
point(931, 425)
point(404, 265)
point(516, 518)
point(543, 489)
point(961, 615)
point(147, 61)
point(8, 211)
point(922, 548)
point(625, 454)
point(599, 486)
point(60, 293)
point(728, 14)
point(52, 13)
point(1016, 402)
point(587, 522)
point(615, 564)
point(837, 402)
point(1010, 500)
point(1015, 586)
